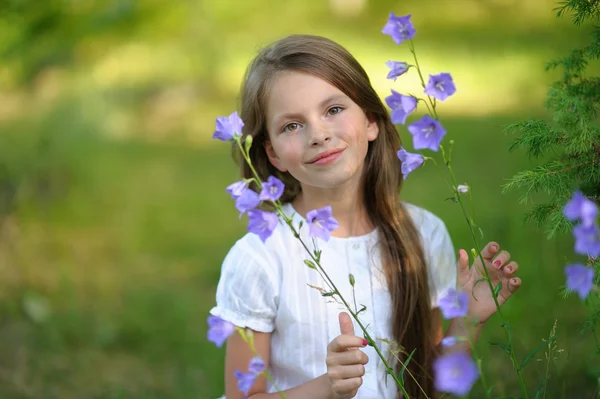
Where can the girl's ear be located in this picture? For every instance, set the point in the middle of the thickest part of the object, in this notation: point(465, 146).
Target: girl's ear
point(273, 158)
point(372, 127)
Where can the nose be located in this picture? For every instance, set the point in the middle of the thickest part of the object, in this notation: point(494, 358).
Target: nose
point(319, 135)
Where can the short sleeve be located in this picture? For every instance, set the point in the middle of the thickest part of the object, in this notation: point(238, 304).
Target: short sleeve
point(248, 289)
point(441, 260)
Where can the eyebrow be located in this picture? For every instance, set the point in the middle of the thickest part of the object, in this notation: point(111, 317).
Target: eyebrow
point(330, 99)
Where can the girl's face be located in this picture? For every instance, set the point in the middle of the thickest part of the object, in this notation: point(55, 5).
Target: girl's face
point(316, 132)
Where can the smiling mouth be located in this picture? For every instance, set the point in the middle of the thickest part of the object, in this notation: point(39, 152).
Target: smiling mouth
point(326, 157)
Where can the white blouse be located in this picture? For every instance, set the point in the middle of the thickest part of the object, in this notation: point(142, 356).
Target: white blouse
point(267, 287)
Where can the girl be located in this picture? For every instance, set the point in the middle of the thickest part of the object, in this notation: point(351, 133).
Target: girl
point(319, 126)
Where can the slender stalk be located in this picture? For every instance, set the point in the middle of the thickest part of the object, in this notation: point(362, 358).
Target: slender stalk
point(411, 46)
point(272, 381)
point(494, 296)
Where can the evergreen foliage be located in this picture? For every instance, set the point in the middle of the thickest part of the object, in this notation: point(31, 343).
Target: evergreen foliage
point(568, 145)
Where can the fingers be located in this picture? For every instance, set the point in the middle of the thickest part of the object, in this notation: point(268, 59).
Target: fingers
point(462, 267)
point(509, 287)
point(345, 342)
point(346, 358)
point(346, 372)
point(490, 250)
point(346, 388)
point(514, 284)
point(510, 269)
point(502, 259)
point(346, 326)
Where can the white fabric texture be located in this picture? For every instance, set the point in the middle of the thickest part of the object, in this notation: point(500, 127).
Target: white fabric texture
point(267, 287)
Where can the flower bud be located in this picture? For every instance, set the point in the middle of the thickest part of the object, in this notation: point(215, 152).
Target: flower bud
point(248, 142)
point(351, 278)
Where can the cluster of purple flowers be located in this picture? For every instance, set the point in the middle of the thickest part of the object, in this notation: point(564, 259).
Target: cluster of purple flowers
point(263, 223)
point(580, 278)
point(427, 132)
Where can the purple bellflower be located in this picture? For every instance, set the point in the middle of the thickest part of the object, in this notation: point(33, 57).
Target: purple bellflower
point(440, 86)
point(247, 200)
point(580, 279)
point(272, 189)
point(262, 223)
point(399, 28)
point(246, 380)
point(236, 189)
point(228, 127)
point(455, 373)
point(454, 304)
point(401, 106)
point(321, 223)
point(587, 240)
point(427, 133)
point(410, 161)
point(581, 208)
point(397, 68)
point(219, 330)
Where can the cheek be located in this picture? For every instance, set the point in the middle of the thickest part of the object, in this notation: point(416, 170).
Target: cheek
point(290, 152)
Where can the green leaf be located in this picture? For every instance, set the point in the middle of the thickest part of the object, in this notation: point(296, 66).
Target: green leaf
point(531, 354)
point(504, 347)
point(328, 294)
point(310, 264)
point(406, 364)
point(362, 309)
point(497, 289)
point(318, 255)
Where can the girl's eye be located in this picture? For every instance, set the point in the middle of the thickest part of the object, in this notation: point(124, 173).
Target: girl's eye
point(334, 110)
point(290, 127)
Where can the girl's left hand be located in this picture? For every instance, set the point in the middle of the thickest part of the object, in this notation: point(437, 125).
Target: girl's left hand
point(500, 269)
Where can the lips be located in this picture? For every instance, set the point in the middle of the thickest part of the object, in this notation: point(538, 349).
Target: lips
point(325, 154)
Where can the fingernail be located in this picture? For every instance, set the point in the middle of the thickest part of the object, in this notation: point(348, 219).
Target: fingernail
point(497, 263)
point(365, 342)
point(494, 247)
point(508, 269)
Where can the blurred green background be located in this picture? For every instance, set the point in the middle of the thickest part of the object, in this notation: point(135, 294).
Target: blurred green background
point(113, 215)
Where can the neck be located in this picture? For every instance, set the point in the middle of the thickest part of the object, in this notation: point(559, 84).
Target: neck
point(347, 205)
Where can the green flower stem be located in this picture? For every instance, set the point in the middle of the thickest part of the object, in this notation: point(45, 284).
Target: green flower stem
point(247, 158)
point(489, 282)
point(411, 46)
point(272, 381)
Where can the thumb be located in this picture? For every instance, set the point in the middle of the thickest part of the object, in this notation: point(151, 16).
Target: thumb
point(462, 266)
point(346, 326)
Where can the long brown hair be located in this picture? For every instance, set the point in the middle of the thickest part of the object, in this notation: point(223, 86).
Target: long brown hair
point(402, 252)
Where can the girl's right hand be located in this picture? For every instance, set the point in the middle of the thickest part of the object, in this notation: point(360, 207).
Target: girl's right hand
point(345, 363)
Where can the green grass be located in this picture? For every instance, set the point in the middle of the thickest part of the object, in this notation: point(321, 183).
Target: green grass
point(128, 257)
